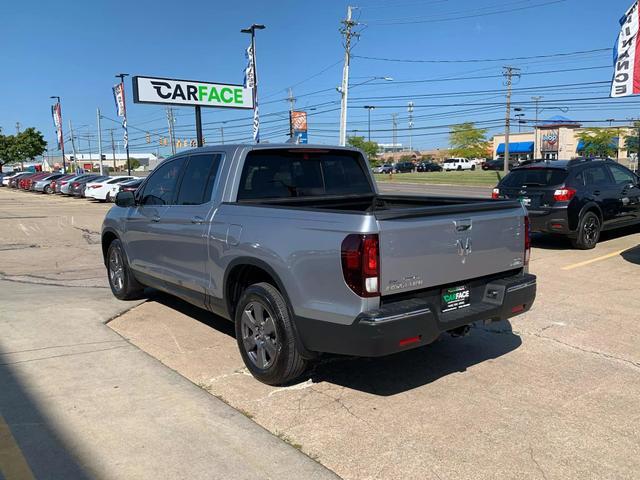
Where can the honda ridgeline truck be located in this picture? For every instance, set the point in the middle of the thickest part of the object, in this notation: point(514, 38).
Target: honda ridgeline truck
point(297, 247)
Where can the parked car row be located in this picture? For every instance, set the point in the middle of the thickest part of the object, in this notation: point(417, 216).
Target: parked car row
point(575, 198)
point(407, 167)
point(86, 185)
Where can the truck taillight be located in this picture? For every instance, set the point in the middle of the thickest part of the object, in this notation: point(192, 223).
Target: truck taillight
point(527, 240)
point(495, 194)
point(564, 194)
point(361, 264)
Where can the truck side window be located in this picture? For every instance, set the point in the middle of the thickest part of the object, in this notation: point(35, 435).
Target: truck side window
point(160, 189)
point(197, 182)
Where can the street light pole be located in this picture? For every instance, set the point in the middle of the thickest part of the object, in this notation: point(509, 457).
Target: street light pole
point(369, 108)
point(64, 163)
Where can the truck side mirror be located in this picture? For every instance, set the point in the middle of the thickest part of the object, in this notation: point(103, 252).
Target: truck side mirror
point(125, 199)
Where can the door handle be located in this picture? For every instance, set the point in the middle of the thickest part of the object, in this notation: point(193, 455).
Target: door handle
point(596, 192)
point(197, 220)
point(155, 219)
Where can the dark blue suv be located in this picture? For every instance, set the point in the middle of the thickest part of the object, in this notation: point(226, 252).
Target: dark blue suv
point(577, 198)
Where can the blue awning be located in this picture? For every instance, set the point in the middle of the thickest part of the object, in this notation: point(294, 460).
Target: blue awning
point(516, 147)
point(614, 144)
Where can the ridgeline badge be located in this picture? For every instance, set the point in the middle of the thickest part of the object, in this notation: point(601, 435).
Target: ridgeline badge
point(189, 92)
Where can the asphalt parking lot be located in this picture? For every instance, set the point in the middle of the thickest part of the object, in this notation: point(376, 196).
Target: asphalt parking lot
point(551, 395)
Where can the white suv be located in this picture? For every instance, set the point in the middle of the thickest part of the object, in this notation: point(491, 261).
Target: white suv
point(458, 164)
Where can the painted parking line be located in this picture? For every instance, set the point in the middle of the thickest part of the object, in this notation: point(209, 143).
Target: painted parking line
point(594, 260)
point(13, 465)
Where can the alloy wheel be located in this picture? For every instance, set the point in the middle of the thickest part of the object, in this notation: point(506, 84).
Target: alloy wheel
point(259, 336)
point(116, 270)
point(591, 230)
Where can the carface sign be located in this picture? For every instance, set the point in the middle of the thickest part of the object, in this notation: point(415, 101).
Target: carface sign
point(191, 93)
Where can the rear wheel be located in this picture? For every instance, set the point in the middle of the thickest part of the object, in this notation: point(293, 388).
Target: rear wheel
point(121, 280)
point(588, 232)
point(459, 168)
point(266, 337)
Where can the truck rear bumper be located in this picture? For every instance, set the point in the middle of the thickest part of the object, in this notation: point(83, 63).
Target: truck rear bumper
point(417, 321)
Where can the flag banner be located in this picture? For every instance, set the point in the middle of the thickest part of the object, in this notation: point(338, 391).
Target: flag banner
point(249, 74)
point(56, 112)
point(121, 108)
point(250, 82)
point(256, 124)
point(626, 59)
point(118, 96)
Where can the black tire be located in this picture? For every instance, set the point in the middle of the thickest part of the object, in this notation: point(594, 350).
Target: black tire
point(588, 233)
point(121, 280)
point(265, 336)
point(473, 167)
point(108, 197)
point(459, 168)
point(47, 189)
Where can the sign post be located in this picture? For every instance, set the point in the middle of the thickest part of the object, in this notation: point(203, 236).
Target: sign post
point(168, 91)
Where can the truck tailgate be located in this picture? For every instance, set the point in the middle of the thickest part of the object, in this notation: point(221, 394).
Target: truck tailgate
point(419, 252)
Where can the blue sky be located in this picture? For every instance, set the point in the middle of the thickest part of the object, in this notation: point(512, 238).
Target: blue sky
point(74, 49)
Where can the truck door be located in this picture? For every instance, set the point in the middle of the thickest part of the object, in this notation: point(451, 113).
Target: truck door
point(184, 224)
point(144, 244)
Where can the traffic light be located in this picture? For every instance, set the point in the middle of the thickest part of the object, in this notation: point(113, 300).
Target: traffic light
point(148, 137)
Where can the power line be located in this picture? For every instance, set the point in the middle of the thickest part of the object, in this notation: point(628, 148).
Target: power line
point(485, 60)
point(408, 20)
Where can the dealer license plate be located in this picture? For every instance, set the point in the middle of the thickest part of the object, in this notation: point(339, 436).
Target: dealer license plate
point(455, 298)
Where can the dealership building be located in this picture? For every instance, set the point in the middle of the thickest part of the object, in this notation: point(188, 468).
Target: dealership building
point(553, 139)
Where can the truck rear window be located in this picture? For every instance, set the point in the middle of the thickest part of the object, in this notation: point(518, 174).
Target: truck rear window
point(535, 177)
point(300, 173)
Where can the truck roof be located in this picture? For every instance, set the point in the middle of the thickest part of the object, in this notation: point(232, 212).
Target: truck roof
point(232, 147)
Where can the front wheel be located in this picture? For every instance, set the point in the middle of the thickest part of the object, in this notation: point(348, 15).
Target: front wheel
point(266, 337)
point(121, 280)
point(588, 232)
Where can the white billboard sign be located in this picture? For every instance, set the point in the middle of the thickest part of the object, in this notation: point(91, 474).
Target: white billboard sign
point(190, 93)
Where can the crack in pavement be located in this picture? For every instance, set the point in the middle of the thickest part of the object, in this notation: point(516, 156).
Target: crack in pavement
point(597, 353)
point(533, 458)
point(12, 279)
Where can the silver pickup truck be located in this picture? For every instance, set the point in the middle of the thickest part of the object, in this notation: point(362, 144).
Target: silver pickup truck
point(296, 246)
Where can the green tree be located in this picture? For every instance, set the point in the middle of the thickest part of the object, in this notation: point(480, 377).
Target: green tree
point(25, 146)
point(631, 141)
point(370, 148)
point(599, 142)
point(467, 141)
point(134, 162)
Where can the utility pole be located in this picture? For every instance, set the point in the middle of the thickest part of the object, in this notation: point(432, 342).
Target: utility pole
point(171, 119)
point(292, 102)
point(100, 142)
point(18, 128)
point(89, 142)
point(347, 31)
point(394, 125)
point(509, 73)
point(535, 128)
point(410, 110)
point(113, 150)
point(369, 108)
point(73, 146)
point(222, 133)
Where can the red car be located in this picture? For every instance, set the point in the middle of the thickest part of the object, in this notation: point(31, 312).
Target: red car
point(27, 182)
point(55, 184)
